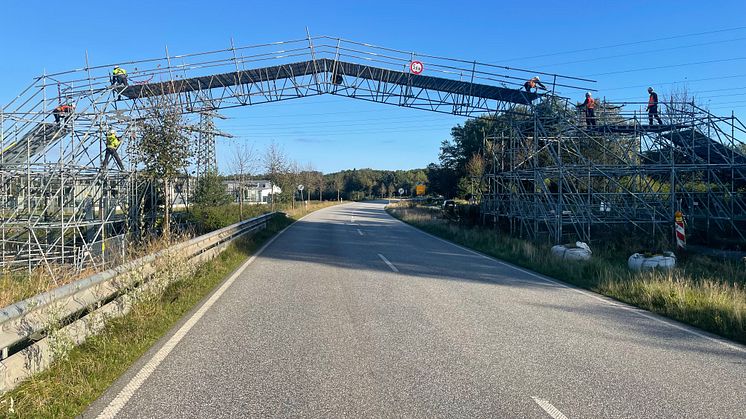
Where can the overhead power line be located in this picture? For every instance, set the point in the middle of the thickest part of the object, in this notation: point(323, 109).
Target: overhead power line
point(668, 66)
point(315, 121)
point(272, 133)
point(377, 111)
point(373, 127)
point(693, 94)
point(629, 43)
point(630, 54)
point(677, 82)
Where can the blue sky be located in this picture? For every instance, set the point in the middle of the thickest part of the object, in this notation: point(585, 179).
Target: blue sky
point(624, 46)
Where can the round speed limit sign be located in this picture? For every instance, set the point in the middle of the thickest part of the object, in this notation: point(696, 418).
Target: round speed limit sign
point(416, 67)
point(401, 191)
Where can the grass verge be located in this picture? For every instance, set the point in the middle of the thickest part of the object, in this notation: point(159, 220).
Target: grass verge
point(701, 292)
point(75, 381)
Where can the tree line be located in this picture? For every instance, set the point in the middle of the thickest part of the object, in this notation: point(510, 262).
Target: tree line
point(280, 170)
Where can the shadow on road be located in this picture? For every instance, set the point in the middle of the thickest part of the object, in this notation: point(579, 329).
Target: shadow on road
point(351, 237)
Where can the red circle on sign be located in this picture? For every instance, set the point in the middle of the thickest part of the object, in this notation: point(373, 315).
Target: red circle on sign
point(416, 67)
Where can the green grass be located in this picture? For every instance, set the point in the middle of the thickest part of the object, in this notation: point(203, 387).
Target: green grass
point(702, 292)
point(207, 219)
point(71, 384)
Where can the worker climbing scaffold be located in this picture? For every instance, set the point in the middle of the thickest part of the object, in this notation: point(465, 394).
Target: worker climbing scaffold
point(112, 143)
point(589, 104)
point(118, 76)
point(534, 84)
point(63, 112)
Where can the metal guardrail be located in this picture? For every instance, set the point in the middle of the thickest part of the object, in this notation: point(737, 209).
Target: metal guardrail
point(82, 307)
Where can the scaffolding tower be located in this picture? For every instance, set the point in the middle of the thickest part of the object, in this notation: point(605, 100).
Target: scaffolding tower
point(553, 178)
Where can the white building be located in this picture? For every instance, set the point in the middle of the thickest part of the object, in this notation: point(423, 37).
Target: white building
point(254, 191)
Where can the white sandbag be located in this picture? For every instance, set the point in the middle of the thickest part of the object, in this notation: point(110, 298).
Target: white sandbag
point(580, 251)
point(638, 262)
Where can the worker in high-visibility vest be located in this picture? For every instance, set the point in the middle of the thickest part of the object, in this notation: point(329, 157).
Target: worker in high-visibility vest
point(118, 76)
point(534, 83)
point(653, 107)
point(589, 105)
point(112, 143)
point(63, 111)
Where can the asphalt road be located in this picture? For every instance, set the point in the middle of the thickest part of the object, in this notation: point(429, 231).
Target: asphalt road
point(352, 313)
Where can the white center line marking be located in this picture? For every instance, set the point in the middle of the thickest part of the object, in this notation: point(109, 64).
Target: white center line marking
point(359, 232)
point(391, 265)
point(129, 390)
point(553, 411)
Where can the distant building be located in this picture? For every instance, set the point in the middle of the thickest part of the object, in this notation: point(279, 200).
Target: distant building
point(254, 191)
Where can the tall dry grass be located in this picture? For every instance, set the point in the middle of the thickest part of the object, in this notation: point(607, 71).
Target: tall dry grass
point(17, 286)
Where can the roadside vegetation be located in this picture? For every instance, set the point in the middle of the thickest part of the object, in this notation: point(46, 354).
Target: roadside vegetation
point(706, 293)
point(85, 372)
point(17, 286)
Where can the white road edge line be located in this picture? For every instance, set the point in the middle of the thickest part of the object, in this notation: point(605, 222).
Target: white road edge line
point(359, 232)
point(636, 310)
point(129, 390)
point(391, 265)
point(551, 410)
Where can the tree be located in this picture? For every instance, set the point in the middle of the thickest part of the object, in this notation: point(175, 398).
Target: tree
point(472, 184)
point(275, 166)
point(242, 164)
point(211, 191)
point(455, 153)
point(382, 189)
point(391, 189)
point(442, 180)
point(165, 149)
point(338, 182)
point(741, 147)
point(308, 180)
point(319, 182)
point(292, 179)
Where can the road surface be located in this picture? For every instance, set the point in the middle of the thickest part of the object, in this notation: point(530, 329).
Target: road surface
point(352, 313)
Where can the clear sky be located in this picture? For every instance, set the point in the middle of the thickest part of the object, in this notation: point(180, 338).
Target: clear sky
point(625, 46)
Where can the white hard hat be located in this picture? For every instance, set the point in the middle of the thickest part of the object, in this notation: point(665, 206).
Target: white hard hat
point(536, 78)
point(587, 93)
point(112, 131)
point(116, 66)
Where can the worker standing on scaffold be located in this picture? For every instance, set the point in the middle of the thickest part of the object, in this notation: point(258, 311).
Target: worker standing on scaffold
point(589, 105)
point(534, 83)
point(112, 143)
point(118, 76)
point(63, 111)
point(653, 107)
